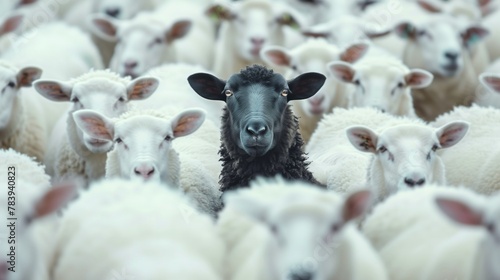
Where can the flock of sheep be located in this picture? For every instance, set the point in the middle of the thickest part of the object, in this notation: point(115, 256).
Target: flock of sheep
point(318, 139)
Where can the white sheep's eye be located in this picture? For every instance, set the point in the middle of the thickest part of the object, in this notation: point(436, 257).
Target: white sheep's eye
point(75, 100)
point(434, 148)
point(228, 92)
point(121, 99)
point(11, 84)
point(118, 140)
point(490, 227)
point(382, 149)
point(357, 82)
point(168, 138)
point(274, 229)
point(294, 67)
point(400, 85)
point(284, 92)
point(335, 228)
point(158, 41)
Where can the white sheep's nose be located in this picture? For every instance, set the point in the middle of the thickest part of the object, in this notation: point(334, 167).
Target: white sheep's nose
point(144, 170)
point(414, 180)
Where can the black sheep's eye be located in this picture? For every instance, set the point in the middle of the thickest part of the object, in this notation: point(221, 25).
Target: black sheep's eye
point(228, 92)
point(11, 84)
point(168, 138)
point(118, 140)
point(284, 92)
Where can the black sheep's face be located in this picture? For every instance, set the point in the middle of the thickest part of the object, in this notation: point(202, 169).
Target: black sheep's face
point(256, 107)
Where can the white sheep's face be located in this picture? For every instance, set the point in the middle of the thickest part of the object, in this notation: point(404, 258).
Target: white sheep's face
point(142, 142)
point(120, 9)
point(256, 23)
point(306, 231)
point(142, 43)
point(381, 86)
point(10, 83)
point(443, 44)
point(407, 153)
point(100, 94)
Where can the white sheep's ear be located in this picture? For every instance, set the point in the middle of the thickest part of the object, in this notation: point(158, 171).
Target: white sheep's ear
point(342, 71)
point(219, 13)
point(53, 90)
point(11, 24)
point(354, 53)
point(142, 88)
point(406, 31)
point(460, 212)
point(429, 6)
point(104, 27)
point(418, 78)
point(362, 138)
point(356, 204)
point(276, 56)
point(490, 81)
point(254, 209)
point(94, 124)
point(451, 133)
point(26, 76)
point(54, 199)
point(473, 35)
point(178, 30)
point(187, 122)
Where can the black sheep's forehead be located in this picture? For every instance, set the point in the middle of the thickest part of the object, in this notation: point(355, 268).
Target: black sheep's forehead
point(276, 83)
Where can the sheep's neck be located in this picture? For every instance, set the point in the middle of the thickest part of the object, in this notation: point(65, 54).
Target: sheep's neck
point(15, 123)
point(286, 159)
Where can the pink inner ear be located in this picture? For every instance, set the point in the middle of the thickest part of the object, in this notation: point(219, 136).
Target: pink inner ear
point(416, 79)
point(343, 72)
point(355, 205)
point(96, 127)
point(11, 24)
point(354, 53)
point(278, 57)
point(459, 212)
point(493, 82)
point(54, 199)
point(106, 27)
point(429, 7)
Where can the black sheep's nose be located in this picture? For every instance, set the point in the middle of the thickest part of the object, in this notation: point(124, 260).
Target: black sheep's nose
point(114, 12)
point(256, 129)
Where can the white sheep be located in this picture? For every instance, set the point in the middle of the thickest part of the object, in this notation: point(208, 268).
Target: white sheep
point(399, 152)
point(144, 148)
point(381, 81)
point(313, 56)
point(172, 33)
point(474, 161)
point(293, 230)
point(247, 27)
point(69, 58)
point(174, 90)
point(491, 22)
point(26, 242)
point(22, 125)
point(148, 231)
point(445, 249)
point(488, 93)
point(320, 11)
point(71, 152)
point(449, 59)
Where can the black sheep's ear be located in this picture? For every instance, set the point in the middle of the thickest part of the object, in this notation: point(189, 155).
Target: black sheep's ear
point(207, 86)
point(305, 85)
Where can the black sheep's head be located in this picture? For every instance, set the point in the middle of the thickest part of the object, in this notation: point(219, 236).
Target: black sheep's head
point(256, 101)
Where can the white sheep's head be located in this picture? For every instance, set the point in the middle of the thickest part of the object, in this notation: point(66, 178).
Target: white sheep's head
point(306, 229)
point(407, 153)
point(11, 80)
point(469, 212)
point(381, 85)
point(313, 56)
point(255, 24)
point(120, 9)
point(31, 206)
point(491, 81)
point(143, 142)
point(102, 91)
point(442, 43)
point(141, 42)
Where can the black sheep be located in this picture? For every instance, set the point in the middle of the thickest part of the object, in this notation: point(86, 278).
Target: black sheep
point(259, 131)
